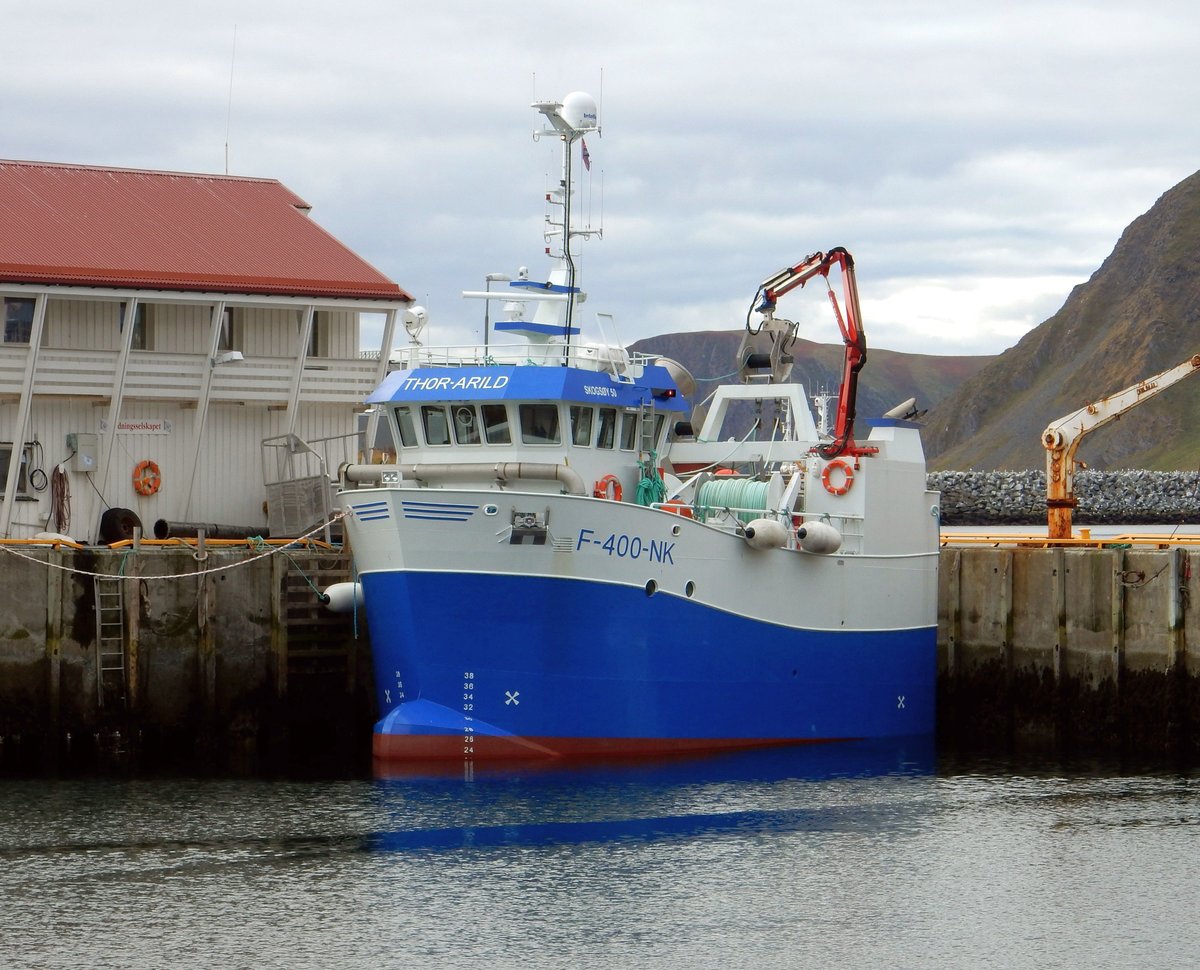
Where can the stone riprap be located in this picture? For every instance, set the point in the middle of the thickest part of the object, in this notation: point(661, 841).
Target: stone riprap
point(1105, 498)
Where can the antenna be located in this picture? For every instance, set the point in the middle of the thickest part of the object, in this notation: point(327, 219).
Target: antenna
point(229, 108)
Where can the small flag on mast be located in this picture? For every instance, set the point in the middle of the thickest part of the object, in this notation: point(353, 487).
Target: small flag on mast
point(587, 159)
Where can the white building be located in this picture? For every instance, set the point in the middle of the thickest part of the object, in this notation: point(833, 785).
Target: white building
point(158, 327)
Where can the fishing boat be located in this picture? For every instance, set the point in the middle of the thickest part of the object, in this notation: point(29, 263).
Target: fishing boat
point(569, 556)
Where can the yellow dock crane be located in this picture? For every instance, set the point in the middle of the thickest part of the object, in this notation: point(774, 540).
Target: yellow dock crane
point(1061, 440)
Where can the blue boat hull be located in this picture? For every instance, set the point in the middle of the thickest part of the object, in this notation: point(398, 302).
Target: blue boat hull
point(485, 665)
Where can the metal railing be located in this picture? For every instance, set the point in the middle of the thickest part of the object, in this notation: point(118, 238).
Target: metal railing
point(614, 360)
point(296, 475)
point(179, 377)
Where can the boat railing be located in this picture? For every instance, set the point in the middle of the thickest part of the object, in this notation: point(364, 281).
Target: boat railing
point(734, 520)
point(586, 356)
point(296, 475)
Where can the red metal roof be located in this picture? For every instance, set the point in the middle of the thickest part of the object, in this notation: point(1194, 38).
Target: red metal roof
point(82, 225)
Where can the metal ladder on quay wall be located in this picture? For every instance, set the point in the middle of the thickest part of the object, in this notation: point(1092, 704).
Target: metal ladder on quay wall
point(110, 641)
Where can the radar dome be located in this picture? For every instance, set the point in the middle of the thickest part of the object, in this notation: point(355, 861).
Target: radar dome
point(579, 111)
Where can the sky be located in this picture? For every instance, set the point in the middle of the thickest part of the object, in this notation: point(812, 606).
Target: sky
point(977, 159)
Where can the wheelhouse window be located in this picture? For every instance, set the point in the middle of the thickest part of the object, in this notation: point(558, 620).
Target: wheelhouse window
point(539, 424)
point(581, 425)
point(606, 435)
point(629, 429)
point(18, 319)
point(383, 447)
point(437, 427)
point(407, 426)
point(466, 425)
point(495, 424)
point(660, 421)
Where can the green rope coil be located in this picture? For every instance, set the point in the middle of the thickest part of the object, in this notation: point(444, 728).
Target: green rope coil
point(650, 488)
point(747, 494)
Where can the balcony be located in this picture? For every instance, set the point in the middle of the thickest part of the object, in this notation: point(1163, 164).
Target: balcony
point(157, 376)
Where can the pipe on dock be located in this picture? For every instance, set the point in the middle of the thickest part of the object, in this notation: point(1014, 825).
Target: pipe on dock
point(190, 530)
point(503, 471)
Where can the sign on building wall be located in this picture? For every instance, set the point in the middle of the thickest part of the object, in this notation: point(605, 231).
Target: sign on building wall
point(140, 426)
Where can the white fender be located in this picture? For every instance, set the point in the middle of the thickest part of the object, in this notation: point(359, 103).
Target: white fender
point(819, 537)
point(343, 597)
point(766, 534)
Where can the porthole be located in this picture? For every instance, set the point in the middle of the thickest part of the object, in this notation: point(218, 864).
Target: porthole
point(651, 587)
point(689, 589)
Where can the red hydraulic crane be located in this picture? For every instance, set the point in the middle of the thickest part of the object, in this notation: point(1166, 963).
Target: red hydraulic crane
point(786, 280)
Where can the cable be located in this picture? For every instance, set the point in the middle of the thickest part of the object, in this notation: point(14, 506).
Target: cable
point(60, 501)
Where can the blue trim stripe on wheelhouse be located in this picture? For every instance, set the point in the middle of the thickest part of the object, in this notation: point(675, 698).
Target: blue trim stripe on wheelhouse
point(529, 383)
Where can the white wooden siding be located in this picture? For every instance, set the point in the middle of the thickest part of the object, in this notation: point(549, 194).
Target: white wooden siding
point(229, 488)
point(176, 328)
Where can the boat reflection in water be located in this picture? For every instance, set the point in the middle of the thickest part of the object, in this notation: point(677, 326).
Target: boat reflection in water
point(858, 785)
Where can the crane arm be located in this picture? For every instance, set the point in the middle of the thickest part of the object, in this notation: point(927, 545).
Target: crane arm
point(1062, 438)
point(850, 324)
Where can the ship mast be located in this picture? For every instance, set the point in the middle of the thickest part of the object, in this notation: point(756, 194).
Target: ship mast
point(570, 119)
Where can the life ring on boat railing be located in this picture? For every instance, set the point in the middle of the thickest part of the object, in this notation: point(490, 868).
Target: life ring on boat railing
point(847, 477)
point(608, 487)
point(677, 507)
point(146, 477)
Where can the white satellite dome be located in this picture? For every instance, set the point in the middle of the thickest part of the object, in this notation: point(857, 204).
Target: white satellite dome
point(579, 111)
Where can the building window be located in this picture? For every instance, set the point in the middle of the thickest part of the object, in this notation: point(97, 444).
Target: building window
point(230, 337)
point(320, 329)
point(140, 340)
point(18, 319)
point(6, 453)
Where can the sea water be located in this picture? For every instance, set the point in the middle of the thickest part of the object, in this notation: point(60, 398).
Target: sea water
point(831, 856)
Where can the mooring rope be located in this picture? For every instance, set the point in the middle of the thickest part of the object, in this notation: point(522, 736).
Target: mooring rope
point(273, 550)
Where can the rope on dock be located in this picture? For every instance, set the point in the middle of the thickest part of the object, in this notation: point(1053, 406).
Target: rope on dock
point(270, 551)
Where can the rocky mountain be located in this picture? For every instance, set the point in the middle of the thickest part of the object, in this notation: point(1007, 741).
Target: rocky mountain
point(1138, 315)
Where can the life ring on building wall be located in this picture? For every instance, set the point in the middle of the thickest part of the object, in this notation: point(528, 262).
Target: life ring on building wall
point(847, 477)
point(608, 487)
point(146, 477)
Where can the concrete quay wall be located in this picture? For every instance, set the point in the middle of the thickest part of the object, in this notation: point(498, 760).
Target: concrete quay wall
point(1070, 648)
point(240, 669)
point(178, 659)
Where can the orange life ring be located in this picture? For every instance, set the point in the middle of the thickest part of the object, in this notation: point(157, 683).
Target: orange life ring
point(608, 487)
point(847, 477)
point(679, 508)
point(146, 477)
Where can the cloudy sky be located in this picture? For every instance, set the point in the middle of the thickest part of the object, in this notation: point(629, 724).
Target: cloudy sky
point(978, 159)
